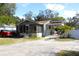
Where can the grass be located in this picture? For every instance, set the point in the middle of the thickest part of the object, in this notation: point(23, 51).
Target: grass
point(67, 53)
point(65, 39)
point(8, 41)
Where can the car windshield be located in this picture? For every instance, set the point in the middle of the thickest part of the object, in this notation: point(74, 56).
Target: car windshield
point(8, 30)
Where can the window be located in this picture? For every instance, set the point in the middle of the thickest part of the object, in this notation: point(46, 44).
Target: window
point(26, 27)
point(49, 27)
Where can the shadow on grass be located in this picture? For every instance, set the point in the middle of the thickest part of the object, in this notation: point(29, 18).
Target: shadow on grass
point(67, 53)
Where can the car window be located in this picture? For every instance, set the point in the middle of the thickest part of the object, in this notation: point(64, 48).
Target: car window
point(7, 30)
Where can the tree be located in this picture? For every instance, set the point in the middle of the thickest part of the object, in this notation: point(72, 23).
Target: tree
point(8, 20)
point(74, 21)
point(46, 14)
point(28, 15)
point(39, 18)
point(57, 18)
point(7, 9)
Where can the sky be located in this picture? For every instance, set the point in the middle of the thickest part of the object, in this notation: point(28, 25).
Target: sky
point(64, 9)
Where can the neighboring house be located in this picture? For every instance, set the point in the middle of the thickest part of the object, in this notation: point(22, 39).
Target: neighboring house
point(8, 27)
point(38, 28)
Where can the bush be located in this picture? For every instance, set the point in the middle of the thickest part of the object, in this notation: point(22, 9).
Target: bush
point(63, 29)
point(65, 35)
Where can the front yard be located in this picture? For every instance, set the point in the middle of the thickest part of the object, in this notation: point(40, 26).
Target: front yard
point(38, 46)
point(8, 41)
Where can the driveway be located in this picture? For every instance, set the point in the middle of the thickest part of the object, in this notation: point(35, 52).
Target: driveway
point(38, 48)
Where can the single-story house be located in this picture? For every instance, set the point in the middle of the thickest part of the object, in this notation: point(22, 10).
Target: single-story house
point(38, 28)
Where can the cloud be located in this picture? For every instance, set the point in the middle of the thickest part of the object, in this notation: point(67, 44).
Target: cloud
point(69, 13)
point(54, 6)
point(21, 17)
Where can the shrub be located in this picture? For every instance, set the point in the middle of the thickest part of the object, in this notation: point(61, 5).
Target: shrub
point(63, 29)
point(65, 35)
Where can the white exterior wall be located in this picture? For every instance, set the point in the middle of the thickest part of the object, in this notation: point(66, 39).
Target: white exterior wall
point(74, 34)
point(38, 31)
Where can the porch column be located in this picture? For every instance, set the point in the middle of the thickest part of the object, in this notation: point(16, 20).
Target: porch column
point(44, 30)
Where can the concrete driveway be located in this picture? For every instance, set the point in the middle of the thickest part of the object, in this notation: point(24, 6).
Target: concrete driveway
point(38, 48)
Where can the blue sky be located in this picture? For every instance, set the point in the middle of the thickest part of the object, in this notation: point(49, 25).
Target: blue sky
point(64, 9)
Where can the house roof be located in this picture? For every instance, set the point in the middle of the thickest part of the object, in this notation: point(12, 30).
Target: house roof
point(48, 22)
point(42, 22)
point(28, 22)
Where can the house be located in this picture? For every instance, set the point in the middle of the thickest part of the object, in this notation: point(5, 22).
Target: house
point(38, 28)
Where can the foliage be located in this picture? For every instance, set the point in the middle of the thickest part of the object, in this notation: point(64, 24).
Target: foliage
point(74, 21)
point(64, 28)
point(8, 20)
point(64, 31)
point(7, 9)
point(57, 18)
point(68, 53)
point(28, 15)
point(77, 26)
point(46, 14)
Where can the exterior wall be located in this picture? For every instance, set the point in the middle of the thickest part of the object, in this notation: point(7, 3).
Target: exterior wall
point(74, 34)
point(38, 31)
point(47, 30)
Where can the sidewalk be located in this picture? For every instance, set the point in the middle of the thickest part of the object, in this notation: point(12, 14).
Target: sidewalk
point(55, 36)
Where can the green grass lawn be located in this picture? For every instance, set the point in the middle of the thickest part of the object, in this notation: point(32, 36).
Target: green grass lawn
point(8, 41)
point(67, 53)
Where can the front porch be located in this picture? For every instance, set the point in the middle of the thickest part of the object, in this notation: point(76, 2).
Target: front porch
point(30, 30)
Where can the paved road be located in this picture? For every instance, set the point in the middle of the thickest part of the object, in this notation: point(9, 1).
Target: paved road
point(38, 48)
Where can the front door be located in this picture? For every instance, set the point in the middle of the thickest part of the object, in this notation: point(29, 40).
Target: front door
point(27, 29)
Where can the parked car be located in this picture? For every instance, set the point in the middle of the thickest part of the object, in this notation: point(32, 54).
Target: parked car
point(7, 33)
